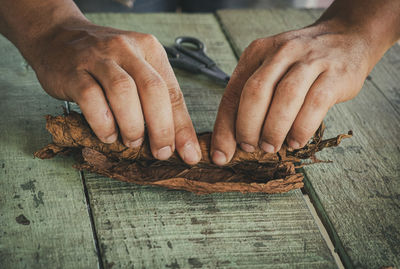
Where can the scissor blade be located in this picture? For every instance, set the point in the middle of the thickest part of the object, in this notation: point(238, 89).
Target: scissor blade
point(216, 74)
point(179, 59)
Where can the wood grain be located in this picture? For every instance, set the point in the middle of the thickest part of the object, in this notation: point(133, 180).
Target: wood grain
point(358, 194)
point(157, 228)
point(43, 216)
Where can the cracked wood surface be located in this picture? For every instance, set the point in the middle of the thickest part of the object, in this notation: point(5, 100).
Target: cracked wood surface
point(358, 194)
point(150, 227)
point(44, 221)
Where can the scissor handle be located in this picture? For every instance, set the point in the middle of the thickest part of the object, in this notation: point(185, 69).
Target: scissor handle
point(190, 40)
point(199, 53)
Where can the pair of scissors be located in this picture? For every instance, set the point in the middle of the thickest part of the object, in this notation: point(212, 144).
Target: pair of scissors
point(189, 53)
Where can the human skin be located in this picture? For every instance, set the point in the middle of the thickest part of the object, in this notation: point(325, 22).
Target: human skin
point(284, 85)
point(281, 89)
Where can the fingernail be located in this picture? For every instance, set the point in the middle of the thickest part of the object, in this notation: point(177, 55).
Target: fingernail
point(111, 138)
point(293, 144)
point(190, 154)
point(267, 147)
point(219, 157)
point(164, 153)
point(247, 147)
point(135, 144)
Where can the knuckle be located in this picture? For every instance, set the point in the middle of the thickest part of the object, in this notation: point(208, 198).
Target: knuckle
point(81, 61)
point(313, 53)
point(118, 40)
point(306, 64)
point(99, 45)
point(255, 44)
point(230, 100)
point(253, 51)
point(316, 62)
point(106, 44)
point(322, 98)
point(150, 40)
point(86, 93)
point(276, 41)
point(163, 58)
point(254, 87)
point(85, 57)
point(152, 82)
point(121, 83)
point(340, 68)
point(287, 46)
point(289, 88)
point(176, 97)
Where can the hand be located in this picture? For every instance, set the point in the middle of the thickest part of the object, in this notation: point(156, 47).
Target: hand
point(284, 85)
point(118, 78)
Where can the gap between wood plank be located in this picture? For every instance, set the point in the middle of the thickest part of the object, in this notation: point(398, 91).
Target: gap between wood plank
point(92, 223)
point(221, 26)
point(322, 229)
point(323, 218)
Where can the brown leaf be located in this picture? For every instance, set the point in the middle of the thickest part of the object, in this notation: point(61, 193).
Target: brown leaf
point(247, 172)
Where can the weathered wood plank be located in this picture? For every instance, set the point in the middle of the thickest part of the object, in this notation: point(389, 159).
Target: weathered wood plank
point(152, 227)
point(358, 193)
point(43, 216)
point(386, 78)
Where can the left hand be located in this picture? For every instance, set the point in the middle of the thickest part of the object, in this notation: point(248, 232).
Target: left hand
point(284, 85)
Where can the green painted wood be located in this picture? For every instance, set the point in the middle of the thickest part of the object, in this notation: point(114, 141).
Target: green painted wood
point(385, 76)
point(148, 227)
point(43, 216)
point(358, 194)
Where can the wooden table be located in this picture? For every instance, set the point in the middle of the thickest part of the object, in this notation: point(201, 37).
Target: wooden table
point(51, 216)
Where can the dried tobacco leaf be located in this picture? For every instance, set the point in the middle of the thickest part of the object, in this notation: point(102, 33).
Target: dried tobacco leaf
point(247, 172)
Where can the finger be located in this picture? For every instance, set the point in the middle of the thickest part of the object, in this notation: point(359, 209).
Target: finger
point(319, 99)
point(223, 143)
point(255, 100)
point(122, 96)
point(88, 94)
point(286, 103)
point(186, 141)
point(156, 106)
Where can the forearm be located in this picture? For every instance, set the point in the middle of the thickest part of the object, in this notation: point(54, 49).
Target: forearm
point(23, 22)
point(377, 21)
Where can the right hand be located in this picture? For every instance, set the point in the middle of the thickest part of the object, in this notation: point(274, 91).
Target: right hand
point(118, 78)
